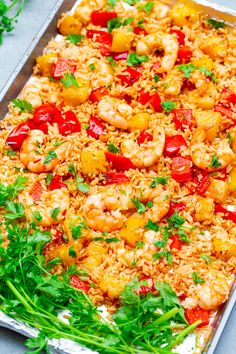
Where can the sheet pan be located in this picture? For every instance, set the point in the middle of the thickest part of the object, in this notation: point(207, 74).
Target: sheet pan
point(12, 89)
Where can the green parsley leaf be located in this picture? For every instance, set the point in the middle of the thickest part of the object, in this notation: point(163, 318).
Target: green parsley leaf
point(217, 24)
point(112, 3)
point(106, 239)
point(208, 73)
point(132, 2)
point(138, 205)
point(127, 21)
point(156, 78)
point(15, 210)
point(49, 177)
point(140, 244)
point(168, 106)
point(112, 148)
point(36, 216)
point(50, 156)
point(23, 105)
point(76, 230)
point(58, 143)
point(82, 187)
point(187, 69)
point(160, 243)
point(114, 23)
point(72, 252)
point(92, 67)
point(69, 80)
point(197, 279)
point(230, 138)
point(75, 38)
point(10, 153)
point(55, 212)
point(206, 258)
point(159, 180)
point(135, 59)
point(86, 126)
point(111, 61)
point(152, 226)
point(176, 220)
point(71, 169)
point(135, 261)
point(147, 7)
point(215, 162)
point(183, 236)
point(150, 204)
point(11, 191)
point(163, 254)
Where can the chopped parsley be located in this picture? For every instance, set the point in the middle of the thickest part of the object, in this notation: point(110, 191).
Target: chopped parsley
point(92, 67)
point(69, 80)
point(75, 38)
point(132, 2)
point(117, 23)
point(163, 254)
point(111, 61)
point(197, 279)
point(55, 212)
point(58, 143)
point(135, 59)
point(159, 180)
point(152, 226)
point(217, 24)
point(49, 177)
point(168, 106)
point(76, 229)
point(50, 156)
point(10, 153)
point(14, 210)
point(149, 204)
point(140, 244)
point(112, 148)
point(147, 7)
point(23, 105)
point(156, 78)
point(106, 239)
point(206, 258)
point(230, 138)
point(72, 252)
point(215, 162)
point(138, 205)
point(111, 4)
point(176, 220)
point(71, 169)
point(187, 69)
point(135, 262)
point(81, 186)
point(208, 73)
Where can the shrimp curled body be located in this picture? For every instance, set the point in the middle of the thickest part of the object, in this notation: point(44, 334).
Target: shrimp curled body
point(115, 112)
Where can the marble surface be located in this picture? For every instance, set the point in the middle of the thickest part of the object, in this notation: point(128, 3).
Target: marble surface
point(11, 52)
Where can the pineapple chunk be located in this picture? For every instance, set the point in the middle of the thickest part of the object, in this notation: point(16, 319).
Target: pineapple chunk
point(184, 15)
point(74, 95)
point(139, 121)
point(121, 41)
point(218, 190)
point(69, 25)
point(224, 246)
point(95, 252)
point(45, 63)
point(214, 46)
point(209, 121)
point(204, 209)
point(204, 61)
point(112, 285)
point(93, 161)
point(232, 180)
point(132, 232)
point(64, 252)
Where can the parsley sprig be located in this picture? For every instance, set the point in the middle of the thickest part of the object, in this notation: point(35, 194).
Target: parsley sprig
point(6, 22)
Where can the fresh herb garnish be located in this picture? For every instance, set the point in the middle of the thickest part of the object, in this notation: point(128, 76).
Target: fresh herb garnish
point(11, 191)
point(10, 153)
point(49, 177)
point(14, 210)
point(50, 156)
point(217, 24)
point(230, 138)
point(163, 254)
point(92, 67)
point(168, 106)
point(111, 4)
point(69, 80)
point(208, 73)
point(111, 61)
point(81, 186)
point(187, 69)
point(72, 252)
point(76, 229)
point(156, 78)
point(117, 22)
point(206, 258)
point(215, 162)
point(112, 148)
point(138, 205)
point(135, 59)
point(149, 204)
point(55, 212)
point(152, 226)
point(147, 7)
point(159, 180)
point(197, 279)
point(132, 2)
point(58, 143)
point(75, 38)
point(140, 244)
point(23, 105)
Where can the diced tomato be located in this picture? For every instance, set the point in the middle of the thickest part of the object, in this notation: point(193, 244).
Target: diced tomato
point(70, 124)
point(181, 169)
point(179, 35)
point(144, 137)
point(176, 206)
point(129, 76)
point(227, 215)
point(184, 54)
point(227, 96)
point(97, 94)
point(183, 118)
point(17, 136)
point(56, 183)
point(96, 128)
point(174, 144)
point(101, 18)
point(175, 242)
point(36, 191)
point(225, 111)
point(145, 289)
point(144, 97)
point(62, 67)
point(80, 284)
point(193, 315)
point(47, 113)
point(155, 102)
point(57, 238)
point(116, 178)
point(203, 184)
point(120, 56)
point(43, 127)
point(140, 30)
point(100, 36)
point(119, 162)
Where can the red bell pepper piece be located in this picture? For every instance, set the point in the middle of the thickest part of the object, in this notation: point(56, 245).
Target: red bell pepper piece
point(96, 128)
point(56, 183)
point(120, 56)
point(183, 118)
point(46, 113)
point(155, 102)
point(227, 215)
point(17, 136)
point(63, 66)
point(36, 191)
point(129, 76)
point(101, 18)
point(100, 36)
point(181, 169)
point(116, 178)
point(227, 96)
point(203, 184)
point(184, 54)
point(179, 35)
point(175, 242)
point(119, 162)
point(80, 284)
point(144, 137)
point(193, 315)
point(144, 97)
point(140, 30)
point(70, 124)
point(176, 206)
point(97, 94)
point(145, 289)
point(174, 144)
point(225, 111)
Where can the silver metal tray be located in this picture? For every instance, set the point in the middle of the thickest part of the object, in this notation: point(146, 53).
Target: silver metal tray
point(12, 89)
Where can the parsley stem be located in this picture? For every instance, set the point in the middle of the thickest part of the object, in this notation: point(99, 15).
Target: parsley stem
point(180, 337)
point(18, 295)
point(166, 316)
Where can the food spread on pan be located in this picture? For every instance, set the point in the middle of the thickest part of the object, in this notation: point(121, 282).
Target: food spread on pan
point(118, 180)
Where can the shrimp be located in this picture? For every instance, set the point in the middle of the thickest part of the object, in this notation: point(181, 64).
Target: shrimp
point(49, 201)
point(159, 11)
point(84, 10)
point(146, 154)
point(214, 292)
point(115, 112)
point(155, 41)
point(173, 83)
point(103, 211)
point(210, 157)
point(32, 157)
point(102, 73)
